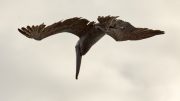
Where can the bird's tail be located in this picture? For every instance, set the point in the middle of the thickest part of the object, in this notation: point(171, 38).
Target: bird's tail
point(78, 60)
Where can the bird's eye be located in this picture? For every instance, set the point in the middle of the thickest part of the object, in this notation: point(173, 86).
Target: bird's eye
point(122, 28)
point(112, 26)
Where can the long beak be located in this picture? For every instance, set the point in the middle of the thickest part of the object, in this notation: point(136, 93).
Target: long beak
point(78, 60)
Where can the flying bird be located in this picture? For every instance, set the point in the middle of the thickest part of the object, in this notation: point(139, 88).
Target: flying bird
point(90, 32)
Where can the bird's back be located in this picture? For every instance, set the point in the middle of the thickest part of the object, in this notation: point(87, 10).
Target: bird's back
point(92, 36)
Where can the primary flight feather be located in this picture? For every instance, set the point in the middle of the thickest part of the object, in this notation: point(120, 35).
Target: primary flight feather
point(90, 32)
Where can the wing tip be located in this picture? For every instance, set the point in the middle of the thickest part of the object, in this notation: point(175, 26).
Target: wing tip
point(159, 32)
point(21, 30)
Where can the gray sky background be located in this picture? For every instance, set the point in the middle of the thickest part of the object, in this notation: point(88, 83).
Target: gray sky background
point(146, 70)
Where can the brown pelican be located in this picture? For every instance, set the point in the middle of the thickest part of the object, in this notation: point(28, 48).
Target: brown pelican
point(90, 32)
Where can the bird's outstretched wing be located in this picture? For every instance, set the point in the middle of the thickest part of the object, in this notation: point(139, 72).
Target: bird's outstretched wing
point(122, 30)
point(75, 25)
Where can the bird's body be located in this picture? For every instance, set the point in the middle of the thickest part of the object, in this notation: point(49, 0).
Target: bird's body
point(84, 44)
point(90, 32)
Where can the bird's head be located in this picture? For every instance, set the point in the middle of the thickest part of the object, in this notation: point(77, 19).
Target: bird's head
point(33, 32)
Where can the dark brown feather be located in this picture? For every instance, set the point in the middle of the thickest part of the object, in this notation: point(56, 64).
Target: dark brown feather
point(121, 30)
point(76, 26)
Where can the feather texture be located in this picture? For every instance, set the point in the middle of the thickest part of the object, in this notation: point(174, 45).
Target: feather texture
point(121, 30)
point(77, 26)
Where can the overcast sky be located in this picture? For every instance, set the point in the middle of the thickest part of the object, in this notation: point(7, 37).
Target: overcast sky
point(145, 70)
